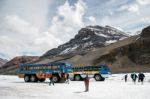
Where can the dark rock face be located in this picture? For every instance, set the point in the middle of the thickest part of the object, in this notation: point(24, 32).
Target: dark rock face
point(140, 50)
point(132, 57)
point(87, 39)
point(11, 66)
point(146, 32)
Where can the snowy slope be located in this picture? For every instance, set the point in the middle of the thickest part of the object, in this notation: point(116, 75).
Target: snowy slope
point(11, 87)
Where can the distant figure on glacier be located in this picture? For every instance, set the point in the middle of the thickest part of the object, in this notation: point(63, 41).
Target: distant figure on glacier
point(51, 80)
point(86, 82)
point(126, 77)
point(134, 77)
point(67, 78)
point(141, 77)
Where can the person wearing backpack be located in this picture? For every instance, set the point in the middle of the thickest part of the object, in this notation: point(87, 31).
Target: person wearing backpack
point(134, 77)
point(141, 77)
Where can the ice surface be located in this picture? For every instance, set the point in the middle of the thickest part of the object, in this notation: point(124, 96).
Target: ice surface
point(12, 87)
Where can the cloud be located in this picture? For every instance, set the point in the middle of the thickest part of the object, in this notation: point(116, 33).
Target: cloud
point(17, 25)
point(92, 19)
point(131, 8)
point(143, 2)
point(24, 37)
point(68, 21)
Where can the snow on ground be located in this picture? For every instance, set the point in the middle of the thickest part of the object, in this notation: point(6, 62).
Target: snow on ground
point(12, 87)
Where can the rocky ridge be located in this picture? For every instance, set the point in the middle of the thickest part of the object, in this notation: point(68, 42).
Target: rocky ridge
point(11, 66)
point(88, 39)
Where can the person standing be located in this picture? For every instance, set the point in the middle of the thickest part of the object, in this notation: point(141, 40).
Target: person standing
point(134, 77)
point(141, 77)
point(86, 82)
point(51, 81)
point(126, 77)
point(67, 78)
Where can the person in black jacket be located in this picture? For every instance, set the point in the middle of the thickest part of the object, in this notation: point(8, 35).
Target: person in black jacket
point(134, 77)
point(126, 77)
point(141, 77)
point(51, 80)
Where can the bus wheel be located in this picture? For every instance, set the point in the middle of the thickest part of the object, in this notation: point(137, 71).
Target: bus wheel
point(77, 78)
point(71, 79)
point(55, 78)
point(98, 77)
point(27, 78)
point(33, 78)
point(42, 80)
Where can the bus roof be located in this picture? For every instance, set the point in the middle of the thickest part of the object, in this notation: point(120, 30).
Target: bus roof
point(47, 64)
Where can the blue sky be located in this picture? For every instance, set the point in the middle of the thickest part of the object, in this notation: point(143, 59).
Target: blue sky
point(31, 27)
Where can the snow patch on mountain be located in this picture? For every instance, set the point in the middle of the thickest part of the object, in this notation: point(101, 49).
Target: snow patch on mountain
point(103, 35)
point(88, 44)
point(110, 41)
point(86, 38)
point(68, 50)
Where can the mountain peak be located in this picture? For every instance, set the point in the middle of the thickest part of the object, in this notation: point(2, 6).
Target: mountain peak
point(87, 39)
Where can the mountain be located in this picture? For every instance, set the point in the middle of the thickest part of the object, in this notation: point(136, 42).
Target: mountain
point(88, 39)
point(11, 66)
point(129, 55)
point(2, 61)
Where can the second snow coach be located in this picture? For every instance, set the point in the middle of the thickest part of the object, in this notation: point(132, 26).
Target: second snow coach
point(99, 73)
point(39, 72)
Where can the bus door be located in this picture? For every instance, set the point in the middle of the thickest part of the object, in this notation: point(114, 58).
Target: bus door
point(68, 68)
point(104, 71)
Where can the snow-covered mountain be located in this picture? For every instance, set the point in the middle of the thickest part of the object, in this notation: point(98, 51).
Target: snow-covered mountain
point(88, 39)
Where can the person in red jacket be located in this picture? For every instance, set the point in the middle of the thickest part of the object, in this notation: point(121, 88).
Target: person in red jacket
point(86, 82)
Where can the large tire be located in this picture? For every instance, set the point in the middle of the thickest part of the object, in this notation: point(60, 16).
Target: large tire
point(56, 78)
point(33, 78)
point(27, 78)
point(99, 77)
point(41, 80)
point(77, 78)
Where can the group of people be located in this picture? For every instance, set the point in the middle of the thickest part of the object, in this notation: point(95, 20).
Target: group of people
point(134, 77)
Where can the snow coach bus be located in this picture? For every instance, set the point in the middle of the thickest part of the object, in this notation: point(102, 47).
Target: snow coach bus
point(99, 73)
point(39, 72)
